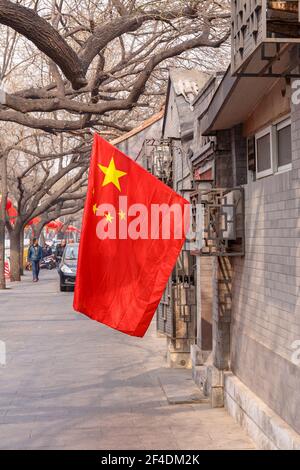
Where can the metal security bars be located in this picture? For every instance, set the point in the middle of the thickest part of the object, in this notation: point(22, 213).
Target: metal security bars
point(222, 221)
point(157, 158)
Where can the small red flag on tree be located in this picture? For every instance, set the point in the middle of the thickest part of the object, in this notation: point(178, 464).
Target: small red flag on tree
point(133, 230)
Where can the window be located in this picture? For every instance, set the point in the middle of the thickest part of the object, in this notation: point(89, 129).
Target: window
point(264, 161)
point(284, 145)
point(273, 149)
point(71, 253)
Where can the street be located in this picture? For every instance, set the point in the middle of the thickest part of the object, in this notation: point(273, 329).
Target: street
point(71, 383)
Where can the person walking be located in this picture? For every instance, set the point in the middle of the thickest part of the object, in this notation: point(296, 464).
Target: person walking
point(35, 254)
point(47, 250)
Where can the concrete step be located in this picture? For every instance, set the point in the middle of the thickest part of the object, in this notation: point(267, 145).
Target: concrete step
point(179, 387)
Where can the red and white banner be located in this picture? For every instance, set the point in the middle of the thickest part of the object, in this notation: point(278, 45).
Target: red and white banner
point(7, 270)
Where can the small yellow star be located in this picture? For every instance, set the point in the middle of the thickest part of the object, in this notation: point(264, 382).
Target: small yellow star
point(109, 217)
point(122, 215)
point(95, 208)
point(112, 175)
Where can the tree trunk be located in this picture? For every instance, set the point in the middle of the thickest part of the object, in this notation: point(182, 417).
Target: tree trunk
point(38, 232)
point(2, 253)
point(42, 237)
point(22, 253)
point(3, 191)
point(15, 249)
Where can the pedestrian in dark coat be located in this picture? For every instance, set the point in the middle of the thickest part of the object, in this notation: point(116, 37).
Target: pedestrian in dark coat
point(35, 254)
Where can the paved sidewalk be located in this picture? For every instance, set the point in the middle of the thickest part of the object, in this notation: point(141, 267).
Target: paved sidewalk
point(70, 383)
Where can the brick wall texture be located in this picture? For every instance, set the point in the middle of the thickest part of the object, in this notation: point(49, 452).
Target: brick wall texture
point(266, 285)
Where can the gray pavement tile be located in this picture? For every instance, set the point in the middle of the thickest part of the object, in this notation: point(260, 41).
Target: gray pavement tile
point(71, 383)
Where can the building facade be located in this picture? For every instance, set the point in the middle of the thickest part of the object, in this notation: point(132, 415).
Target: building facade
point(253, 117)
point(230, 143)
point(176, 315)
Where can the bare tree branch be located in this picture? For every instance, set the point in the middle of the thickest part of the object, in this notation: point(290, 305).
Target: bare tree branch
point(28, 23)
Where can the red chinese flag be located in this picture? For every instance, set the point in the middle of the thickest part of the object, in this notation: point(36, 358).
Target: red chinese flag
point(133, 230)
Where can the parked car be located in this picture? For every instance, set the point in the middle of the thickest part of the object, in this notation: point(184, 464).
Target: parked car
point(68, 267)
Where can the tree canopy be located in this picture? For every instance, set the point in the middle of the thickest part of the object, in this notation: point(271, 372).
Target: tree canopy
point(70, 65)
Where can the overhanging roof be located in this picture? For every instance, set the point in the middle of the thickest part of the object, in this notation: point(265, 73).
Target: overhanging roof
point(234, 100)
point(237, 96)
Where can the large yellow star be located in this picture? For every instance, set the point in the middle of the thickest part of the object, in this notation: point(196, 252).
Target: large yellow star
point(112, 175)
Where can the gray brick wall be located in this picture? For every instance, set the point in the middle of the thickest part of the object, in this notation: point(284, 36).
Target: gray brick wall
point(223, 160)
point(266, 285)
point(239, 156)
point(204, 293)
